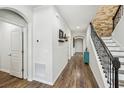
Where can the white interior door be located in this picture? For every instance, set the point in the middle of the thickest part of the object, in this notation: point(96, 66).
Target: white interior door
point(16, 64)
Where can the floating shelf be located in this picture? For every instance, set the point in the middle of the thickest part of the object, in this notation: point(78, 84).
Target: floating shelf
point(66, 40)
point(61, 40)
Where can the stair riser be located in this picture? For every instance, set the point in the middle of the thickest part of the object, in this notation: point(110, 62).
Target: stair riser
point(118, 53)
point(121, 59)
point(114, 48)
point(111, 44)
point(108, 40)
point(121, 71)
point(122, 63)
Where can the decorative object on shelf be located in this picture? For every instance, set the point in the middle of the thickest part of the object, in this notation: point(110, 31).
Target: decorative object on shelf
point(65, 37)
point(62, 36)
point(61, 33)
point(66, 40)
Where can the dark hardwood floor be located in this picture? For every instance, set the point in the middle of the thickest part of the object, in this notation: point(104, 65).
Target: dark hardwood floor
point(75, 75)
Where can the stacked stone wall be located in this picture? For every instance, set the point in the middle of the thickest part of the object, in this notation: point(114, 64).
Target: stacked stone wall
point(103, 20)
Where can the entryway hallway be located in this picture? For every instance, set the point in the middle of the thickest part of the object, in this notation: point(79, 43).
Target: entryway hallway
point(75, 75)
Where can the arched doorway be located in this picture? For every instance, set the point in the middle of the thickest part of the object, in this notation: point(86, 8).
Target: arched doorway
point(78, 45)
point(17, 33)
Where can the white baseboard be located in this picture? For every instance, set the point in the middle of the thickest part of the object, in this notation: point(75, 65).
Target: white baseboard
point(43, 81)
point(60, 73)
point(4, 70)
point(29, 79)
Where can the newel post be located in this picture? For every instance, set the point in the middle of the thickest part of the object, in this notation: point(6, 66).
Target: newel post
point(116, 66)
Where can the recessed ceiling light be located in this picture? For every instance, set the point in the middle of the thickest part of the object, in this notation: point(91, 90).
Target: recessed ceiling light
point(78, 27)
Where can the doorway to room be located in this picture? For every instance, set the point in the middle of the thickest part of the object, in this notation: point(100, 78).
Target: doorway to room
point(13, 39)
point(78, 45)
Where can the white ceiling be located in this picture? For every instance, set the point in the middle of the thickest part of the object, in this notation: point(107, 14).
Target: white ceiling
point(77, 16)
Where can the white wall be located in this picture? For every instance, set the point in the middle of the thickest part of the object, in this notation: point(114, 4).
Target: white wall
point(86, 40)
point(84, 45)
point(0, 49)
point(118, 33)
point(43, 25)
point(5, 47)
point(60, 50)
point(79, 45)
point(51, 55)
point(71, 45)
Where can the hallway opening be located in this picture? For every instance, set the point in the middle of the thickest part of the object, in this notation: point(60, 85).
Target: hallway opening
point(79, 45)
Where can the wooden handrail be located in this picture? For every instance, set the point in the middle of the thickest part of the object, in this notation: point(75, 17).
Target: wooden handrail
point(116, 12)
point(116, 17)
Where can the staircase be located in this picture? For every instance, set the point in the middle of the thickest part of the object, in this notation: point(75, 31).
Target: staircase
point(108, 52)
point(116, 51)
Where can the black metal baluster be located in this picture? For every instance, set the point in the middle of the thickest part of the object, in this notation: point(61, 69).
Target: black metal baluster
point(110, 75)
point(113, 77)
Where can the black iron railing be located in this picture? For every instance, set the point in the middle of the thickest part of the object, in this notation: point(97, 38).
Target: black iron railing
point(117, 16)
point(109, 63)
